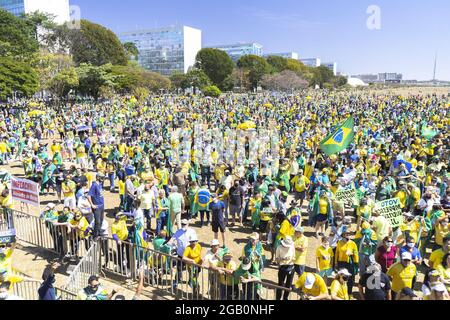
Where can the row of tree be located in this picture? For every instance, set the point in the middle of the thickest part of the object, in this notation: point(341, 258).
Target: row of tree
point(215, 68)
point(37, 55)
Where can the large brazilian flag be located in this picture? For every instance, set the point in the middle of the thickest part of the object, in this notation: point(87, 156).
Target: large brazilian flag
point(340, 139)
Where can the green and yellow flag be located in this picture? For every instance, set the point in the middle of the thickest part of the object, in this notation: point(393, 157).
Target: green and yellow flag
point(340, 139)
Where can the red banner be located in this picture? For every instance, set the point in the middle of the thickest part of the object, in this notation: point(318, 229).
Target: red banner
point(25, 191)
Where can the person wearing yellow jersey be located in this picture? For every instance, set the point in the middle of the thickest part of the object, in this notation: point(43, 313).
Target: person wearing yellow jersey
point(6, 256)
point(105, 150)
point(81, 156)
point(68, 188)
point(437, 256)
point(411, 227)
point(312, 287)
point(120, 233)
point(347, 256)
point(441, 230)
point(55, 147)
point(4, 149)
point(228, 287)
point(163, 176)
point(78, 226)
point(402, 274)
point(101, 166)
point(402, 193)
point(192, 256)
point(444, 270)
point(338, 288)
point(300, 184)
point(324, 258)
point(301, 250)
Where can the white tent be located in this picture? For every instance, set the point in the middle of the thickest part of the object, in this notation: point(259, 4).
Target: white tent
point(356, 82)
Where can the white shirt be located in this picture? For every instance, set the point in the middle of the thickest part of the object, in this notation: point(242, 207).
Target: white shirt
point(182, 239)
point(211, 258)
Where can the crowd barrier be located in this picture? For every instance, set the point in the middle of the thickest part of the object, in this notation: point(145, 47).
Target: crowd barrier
point(28, 290)
point(88, 266)
point(162, 271)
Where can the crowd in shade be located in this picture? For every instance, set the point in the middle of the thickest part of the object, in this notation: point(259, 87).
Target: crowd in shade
point(272, 167)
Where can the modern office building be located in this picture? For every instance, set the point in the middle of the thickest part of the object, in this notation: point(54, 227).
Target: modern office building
point(58, 8)
point(235, 51)
point(287, 55)
point(166, 50)
point(311, 62)
point(390, 77)
point(330, 65)
point(380, 77)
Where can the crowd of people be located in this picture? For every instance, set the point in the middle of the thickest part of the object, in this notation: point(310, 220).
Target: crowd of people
point(251, 163)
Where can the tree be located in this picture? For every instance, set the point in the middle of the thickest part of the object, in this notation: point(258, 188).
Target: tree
point(197, 79)
point(286, 81)
point(131, 77)
point(96, 45)
point(16, 37)
point(179, 80)
point(211, 91)
point(141, 94)
point(131, 49)
point(340, 81)
point(321, 75)
point(93, 78)
point(48, 65)
point(277, 63)
point(63, 82)
point(256, 66)
point(216, 64)
point(17, 76)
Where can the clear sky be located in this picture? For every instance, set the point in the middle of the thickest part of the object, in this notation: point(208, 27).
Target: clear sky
point(412, 31)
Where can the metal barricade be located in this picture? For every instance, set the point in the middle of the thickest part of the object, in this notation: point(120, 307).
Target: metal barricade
point(6, 219)
point(88, 266)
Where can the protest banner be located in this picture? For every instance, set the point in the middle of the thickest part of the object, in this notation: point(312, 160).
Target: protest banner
point(8, 236)
point(391, 210)
point(346, 194)
point(25, 191)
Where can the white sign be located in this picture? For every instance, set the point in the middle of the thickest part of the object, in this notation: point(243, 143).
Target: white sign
point(25, 191)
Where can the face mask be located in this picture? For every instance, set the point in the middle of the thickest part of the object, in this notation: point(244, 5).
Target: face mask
point(411, 245)
point(345, 278)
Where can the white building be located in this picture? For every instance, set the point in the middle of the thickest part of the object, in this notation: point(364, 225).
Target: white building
point(311, 62)
point(58, 8)
point(166, 50)
point(331, 65)
point(287, 55)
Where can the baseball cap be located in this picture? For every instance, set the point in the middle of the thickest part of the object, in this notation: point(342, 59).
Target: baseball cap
point(215, 242)
point(408, 292)
point(309, 281)
point(193, 238)
point(406, 256)
point(344, 272)
point(287, 242)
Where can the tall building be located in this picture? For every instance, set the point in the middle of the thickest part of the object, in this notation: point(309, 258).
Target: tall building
point(331, 65)
point(58, 8)
point(390, 76)
point(235, 51)
point(166, 50)
point(367, 78)
point(311, 62)
point(287, 55)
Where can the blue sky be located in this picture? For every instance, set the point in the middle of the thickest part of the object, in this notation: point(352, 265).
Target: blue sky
point(333, 30)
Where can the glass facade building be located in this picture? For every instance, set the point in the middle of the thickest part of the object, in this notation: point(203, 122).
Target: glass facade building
point(60, 9)
point(235, 51)
point(166, 50)
point(287, 55)
point(16, 7)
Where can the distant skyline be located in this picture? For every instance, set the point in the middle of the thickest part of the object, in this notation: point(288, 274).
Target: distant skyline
point(410, 35)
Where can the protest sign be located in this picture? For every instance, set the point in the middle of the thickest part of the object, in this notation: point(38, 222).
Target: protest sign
point(391, 210)
point(346, 194)
point(25, 191)
point(8, 236)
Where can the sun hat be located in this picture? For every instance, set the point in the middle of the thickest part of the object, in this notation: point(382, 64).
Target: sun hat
point(309, 281)
point(193, 238)
point(254, 236)
point(344, 272)
point(215, 242)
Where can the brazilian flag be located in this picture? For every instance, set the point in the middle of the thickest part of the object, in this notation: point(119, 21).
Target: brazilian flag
point(340, 139)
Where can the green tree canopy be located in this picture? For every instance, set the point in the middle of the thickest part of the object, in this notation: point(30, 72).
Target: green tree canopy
point(66, 80)
point(17, 37)
point(131, 77)
point(96, 45)
point(277, 63)
point(131, 49)
point(256, 66)
point(216, 64)
point(197, 79)
point(93, 78)
point(321, 75)
point(17, 76)
point(211, 91)
point(179, 80)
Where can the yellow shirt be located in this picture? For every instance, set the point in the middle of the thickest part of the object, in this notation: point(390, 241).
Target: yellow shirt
point(318, 288)
point(436, 258)
point(69, 188)
point(226, 279)
point(401, 277)
point(323, 206)
point(325, 257)
point(300, 257)
point(55, 148)
point(440, 233)
point(444, 273)
point(5, 262)
point(286, 229)
point(343, 248)
point(412, 227)
point(300, 183)
point(83, 224)
point(81, 152)
point(120, 229)
point(339, 290)
point(90, 178)
point(194, 254)
point(401, 195)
